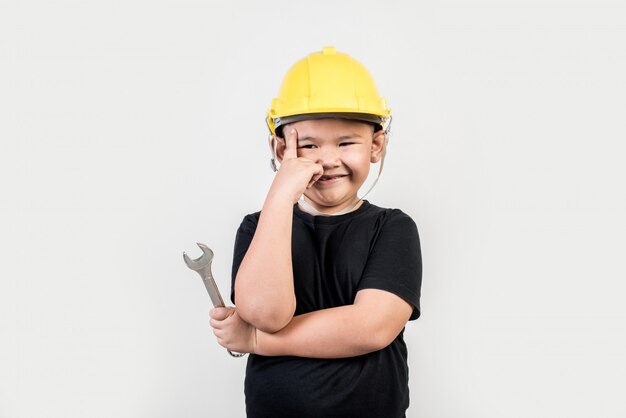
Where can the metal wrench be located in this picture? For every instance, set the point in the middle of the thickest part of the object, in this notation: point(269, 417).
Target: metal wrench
point(202, 265)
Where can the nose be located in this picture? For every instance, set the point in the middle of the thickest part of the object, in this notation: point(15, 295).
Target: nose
point(328, 157)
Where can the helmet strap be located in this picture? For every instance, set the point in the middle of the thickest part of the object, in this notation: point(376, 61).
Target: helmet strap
point(307, 207)
point(273, 160)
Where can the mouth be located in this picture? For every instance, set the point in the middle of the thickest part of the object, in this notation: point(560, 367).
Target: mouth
point(330, 179)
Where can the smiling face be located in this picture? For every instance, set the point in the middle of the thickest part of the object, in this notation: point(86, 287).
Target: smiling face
point(345, 149)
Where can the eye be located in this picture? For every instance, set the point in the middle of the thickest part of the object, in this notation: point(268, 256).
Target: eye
point(308, 146)
point(343, 144)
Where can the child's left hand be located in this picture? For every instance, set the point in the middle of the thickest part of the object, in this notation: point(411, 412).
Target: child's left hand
point(231, 331)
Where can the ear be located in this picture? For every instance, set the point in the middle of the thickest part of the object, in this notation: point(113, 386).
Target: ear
point(379, 142)
point(281, 145)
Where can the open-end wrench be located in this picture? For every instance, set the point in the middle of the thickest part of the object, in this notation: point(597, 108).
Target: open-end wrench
point(202, 265)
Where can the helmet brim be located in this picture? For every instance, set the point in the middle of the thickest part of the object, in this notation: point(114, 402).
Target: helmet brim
point(376, 121)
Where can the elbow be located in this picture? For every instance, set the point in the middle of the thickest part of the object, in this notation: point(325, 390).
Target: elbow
point(266, 319)
point(271, 325)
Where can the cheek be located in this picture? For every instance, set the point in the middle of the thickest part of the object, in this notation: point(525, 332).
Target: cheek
point(358, 162)
point(310, 154)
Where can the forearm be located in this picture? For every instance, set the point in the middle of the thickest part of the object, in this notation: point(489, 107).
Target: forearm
point(344, 331)
point(264, 289)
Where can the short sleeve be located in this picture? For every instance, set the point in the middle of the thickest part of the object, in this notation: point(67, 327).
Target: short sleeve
point(244, 236)
point(395, 261)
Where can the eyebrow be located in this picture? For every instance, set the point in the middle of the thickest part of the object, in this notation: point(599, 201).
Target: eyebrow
point(341, 138)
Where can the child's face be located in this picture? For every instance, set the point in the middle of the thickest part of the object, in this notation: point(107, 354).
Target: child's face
point(345, 150)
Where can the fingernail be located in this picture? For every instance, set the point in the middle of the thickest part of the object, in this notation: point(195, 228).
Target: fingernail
point(292, 131)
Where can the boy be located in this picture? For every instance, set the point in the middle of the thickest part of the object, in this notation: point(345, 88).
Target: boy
point(324, 284)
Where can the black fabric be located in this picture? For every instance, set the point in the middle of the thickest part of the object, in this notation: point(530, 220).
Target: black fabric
point(333, 258)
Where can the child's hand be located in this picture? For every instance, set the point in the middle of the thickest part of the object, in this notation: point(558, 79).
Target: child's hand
point(231, 331)
point(295, 174)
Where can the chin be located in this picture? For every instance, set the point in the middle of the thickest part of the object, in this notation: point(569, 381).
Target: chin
point(330, 203)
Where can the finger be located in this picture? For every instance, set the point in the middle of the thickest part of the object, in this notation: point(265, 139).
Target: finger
point(319, 172)
point(221, 336)
point(221, 313)
point(291, 142)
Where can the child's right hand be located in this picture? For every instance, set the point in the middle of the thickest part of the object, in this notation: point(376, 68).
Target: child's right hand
point(296, 174)
point(231, 331)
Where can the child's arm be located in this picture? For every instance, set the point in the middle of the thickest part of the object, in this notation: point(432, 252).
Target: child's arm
point(370, 324)
point(264, 289)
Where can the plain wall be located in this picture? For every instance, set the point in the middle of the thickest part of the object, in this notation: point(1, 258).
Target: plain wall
point(131, 130)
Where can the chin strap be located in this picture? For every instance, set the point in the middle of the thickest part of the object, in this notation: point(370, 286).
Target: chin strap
point(306, 207)
point(272, 142)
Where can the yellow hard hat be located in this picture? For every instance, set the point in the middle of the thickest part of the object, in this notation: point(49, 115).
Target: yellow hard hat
point(327, 84)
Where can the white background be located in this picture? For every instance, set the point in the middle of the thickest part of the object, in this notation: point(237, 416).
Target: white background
point(129, 130)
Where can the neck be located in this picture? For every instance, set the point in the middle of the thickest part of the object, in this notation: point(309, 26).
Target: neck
point(307, 207)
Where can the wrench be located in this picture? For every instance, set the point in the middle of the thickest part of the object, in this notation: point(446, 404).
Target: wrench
point(202, 265)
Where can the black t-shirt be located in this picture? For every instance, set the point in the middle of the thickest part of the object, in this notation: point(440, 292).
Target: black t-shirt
point(333, 258)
